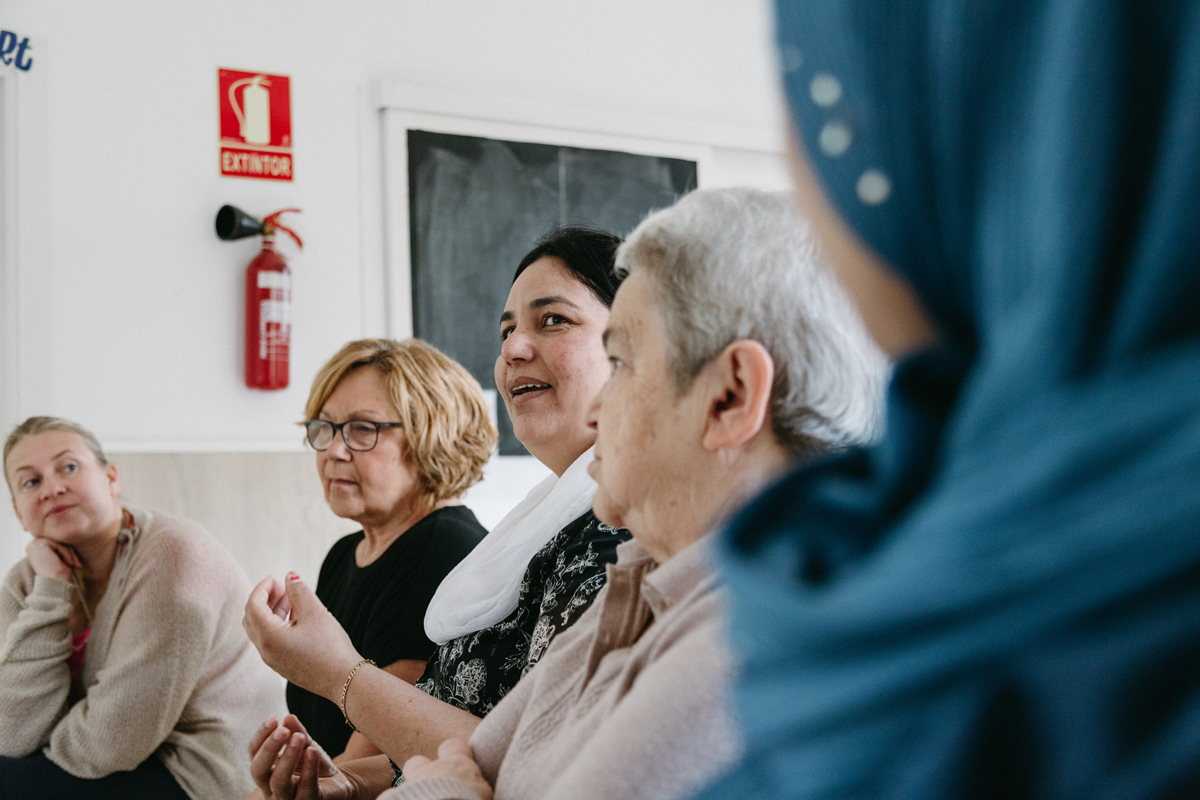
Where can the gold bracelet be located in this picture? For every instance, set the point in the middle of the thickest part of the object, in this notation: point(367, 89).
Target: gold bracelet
point(346, 687)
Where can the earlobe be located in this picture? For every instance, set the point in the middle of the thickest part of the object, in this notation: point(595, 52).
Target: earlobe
point(740, 378)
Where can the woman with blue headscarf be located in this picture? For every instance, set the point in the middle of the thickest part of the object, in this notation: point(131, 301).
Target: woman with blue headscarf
point(1001, 598)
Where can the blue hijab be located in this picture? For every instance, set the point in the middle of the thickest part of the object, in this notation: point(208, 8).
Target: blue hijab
point(1002, 598)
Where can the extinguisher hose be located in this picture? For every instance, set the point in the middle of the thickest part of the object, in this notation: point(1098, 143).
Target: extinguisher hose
point(271, 224)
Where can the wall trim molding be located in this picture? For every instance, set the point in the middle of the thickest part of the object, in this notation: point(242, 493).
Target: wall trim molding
point(203, 445)
point(587, 119)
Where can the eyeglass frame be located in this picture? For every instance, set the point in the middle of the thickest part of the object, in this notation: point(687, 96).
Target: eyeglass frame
point(339, 427)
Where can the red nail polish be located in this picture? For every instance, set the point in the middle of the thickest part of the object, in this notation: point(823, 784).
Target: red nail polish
point(291, 576)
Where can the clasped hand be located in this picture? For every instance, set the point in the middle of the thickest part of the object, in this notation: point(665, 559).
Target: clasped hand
point(287, 764)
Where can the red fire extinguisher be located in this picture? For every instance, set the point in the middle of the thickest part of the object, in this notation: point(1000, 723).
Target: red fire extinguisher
point(268, 298)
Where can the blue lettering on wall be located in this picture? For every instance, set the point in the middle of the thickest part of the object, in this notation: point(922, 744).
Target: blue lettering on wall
point(14, 50)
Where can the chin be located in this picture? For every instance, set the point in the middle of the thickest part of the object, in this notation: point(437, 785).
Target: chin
point(533, 428)
point(64, 529)
point(606, 511)
point(55, 534)
point(343, 511)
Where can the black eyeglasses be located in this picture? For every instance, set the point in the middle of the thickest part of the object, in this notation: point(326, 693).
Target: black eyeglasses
point(360, 435)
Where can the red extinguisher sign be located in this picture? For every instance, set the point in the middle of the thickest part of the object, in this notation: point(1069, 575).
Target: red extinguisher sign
point(256, 124)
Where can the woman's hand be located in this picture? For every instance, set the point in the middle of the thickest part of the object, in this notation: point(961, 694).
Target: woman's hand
point(297, 636)
point(455, 760)
point(287, 764)
point(51, 559)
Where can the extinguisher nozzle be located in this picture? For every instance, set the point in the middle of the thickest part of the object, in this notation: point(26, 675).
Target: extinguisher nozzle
point(233, 223)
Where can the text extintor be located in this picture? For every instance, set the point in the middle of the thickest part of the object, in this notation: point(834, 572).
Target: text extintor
point(256, 125)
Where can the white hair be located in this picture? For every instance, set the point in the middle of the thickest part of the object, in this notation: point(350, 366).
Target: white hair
point(730, 264)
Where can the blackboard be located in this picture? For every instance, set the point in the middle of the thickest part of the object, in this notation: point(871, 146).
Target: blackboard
point(477, 205)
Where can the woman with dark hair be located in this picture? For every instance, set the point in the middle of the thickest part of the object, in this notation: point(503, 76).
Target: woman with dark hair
point(1002, 598)
point(495, 614)
point(529, 579)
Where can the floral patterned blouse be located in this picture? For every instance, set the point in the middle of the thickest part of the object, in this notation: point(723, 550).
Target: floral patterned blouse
point(475, 671)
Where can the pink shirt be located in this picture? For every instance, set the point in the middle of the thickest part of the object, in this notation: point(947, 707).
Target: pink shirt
point(75, 660)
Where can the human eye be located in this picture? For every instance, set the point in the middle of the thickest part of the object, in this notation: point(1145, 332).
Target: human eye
point(30, 483)
point(361, 426)
point(555, 319)
point(615, 363)
point(505, 330)
point(70, 467)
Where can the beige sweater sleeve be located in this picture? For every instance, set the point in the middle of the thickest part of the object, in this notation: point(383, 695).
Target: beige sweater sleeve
point(158, 650)
point(433, 789)
point(34, 678)
point(669, 735)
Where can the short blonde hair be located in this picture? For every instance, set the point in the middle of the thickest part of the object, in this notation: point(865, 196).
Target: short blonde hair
point(448, 435)
point(36, 425)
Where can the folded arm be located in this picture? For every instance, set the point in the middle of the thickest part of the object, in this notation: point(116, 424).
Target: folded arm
point(666, 738)
point(159, 647)
point(34, 678)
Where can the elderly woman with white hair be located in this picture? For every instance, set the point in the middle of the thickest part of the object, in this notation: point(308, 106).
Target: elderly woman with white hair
point(734, 355)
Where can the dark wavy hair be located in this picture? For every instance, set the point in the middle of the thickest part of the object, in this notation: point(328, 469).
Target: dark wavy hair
point(588, 253)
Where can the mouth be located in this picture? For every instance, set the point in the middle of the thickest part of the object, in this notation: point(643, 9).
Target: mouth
point(526, 388)
point(342, 483)
point(58, 510)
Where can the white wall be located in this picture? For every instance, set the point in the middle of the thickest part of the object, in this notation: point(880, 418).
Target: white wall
point(129, 308)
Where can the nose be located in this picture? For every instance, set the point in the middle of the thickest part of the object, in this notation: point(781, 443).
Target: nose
point(52, 486)
point(593, 412)
point(337, 449)
point(517, 346)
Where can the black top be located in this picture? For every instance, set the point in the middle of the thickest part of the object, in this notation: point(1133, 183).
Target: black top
point(475, 671)
point(382, 605)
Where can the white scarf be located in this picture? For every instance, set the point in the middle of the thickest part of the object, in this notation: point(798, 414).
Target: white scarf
point(483, 589)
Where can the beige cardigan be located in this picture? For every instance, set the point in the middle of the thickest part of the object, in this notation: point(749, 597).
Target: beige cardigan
point(168, 669)
point(615, 709)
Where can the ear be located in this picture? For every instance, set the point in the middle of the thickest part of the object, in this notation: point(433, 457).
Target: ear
point(738, 385)
point(114, 480)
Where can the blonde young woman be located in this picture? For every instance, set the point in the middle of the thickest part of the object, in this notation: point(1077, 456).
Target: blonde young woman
point(123, 669)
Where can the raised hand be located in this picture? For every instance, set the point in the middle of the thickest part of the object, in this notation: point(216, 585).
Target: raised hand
point(297, 636)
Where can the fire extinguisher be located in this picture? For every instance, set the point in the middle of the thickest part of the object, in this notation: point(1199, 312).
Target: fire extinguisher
point(268, 297)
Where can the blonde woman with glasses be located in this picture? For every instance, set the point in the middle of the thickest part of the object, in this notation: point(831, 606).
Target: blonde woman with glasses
point(400, 431)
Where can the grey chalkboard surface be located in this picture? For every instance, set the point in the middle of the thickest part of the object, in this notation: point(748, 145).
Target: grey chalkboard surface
point(477, 205)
